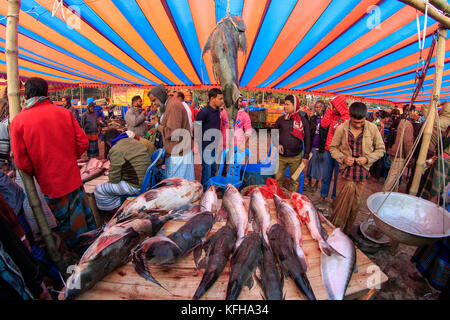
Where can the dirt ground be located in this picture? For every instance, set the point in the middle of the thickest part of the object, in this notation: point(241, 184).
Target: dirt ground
point(396, 266)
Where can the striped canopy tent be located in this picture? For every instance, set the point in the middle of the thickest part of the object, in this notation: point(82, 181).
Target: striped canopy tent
point(360, 48)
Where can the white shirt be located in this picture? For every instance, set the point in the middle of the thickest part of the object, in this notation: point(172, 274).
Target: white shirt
point(189, 113)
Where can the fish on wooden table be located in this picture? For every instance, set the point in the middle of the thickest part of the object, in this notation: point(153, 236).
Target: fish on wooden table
point(224, 42)
point(284, 249)
point(243, 265)
point(218, 249)
point(259, 214)
point(167, 195)
point(110, 250)
point(288, 217)
point(209, 200)
point(234, 205)
point(93, 169)
point(271, 280)
point(308, 214)
point(165, 251)
point(337, 269)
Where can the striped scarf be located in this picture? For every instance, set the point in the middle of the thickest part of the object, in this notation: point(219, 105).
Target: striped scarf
point(33, 101)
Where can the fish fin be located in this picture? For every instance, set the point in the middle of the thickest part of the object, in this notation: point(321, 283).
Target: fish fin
point(87, 238)
point(197, 255)
point(250, 283)
point(333, 250)
point(203, 263)
point(355, 268)
point(326, 249)
point(142, 269)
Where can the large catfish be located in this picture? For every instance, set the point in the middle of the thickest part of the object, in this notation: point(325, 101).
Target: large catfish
point(243, 264)
point(218, 248)
point(288, 217)
point(170, 194)
point(234, 205)
point(224, 42)
point(165, 251)
point(337, 269)
point(283, 247)
point(111, 250)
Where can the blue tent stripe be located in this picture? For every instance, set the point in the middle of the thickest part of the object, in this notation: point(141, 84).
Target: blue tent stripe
point(236, 7)
point(103, 28)
point(49, 44)
point(24, 57)
point(386, 9)
point(64, 67)
point(133, 13)
point(383, 83)
point(391, 40)
point(394, 56)
point(332, 15)
point(275, 19)
point(181, 13)
point(61, 27)
point(41, 72)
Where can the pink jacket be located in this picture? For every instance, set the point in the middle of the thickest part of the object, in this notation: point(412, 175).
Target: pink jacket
point(243, 126)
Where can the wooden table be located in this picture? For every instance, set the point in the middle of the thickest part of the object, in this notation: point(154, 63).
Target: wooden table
point(182, 278)
point(89, 188)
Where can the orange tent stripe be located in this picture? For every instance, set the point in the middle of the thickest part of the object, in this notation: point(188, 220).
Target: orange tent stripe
point(87, 31)
point(42, 30)
point(157, 17)
point(347, 22)
point(302, 18)
point(395, 85)
point(34, 66)
point(35, 46)
point(396, 65)
point(252, 13)
point(390, 25)
point(204, 24)
point(394, 48)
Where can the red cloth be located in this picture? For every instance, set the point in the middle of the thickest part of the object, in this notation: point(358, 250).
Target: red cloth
point(332, 120)
point(46, 142)
point(297, 130)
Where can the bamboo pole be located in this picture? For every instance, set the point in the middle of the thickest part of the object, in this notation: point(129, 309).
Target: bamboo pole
point(429, 123)
point(432, 12)
point(12, 70)
point(441, 5)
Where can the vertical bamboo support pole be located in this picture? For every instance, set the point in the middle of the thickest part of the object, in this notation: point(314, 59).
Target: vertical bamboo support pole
point(12, 70)
point(429, 123)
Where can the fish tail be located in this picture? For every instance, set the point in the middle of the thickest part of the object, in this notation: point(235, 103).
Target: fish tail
point(87, 238)
point(303, 284)
point(233, 290)
point(207, 281)
point(142, 269)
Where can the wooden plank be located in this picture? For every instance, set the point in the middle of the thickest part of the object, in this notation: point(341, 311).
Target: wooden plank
point(182, 279)
point(89, 186)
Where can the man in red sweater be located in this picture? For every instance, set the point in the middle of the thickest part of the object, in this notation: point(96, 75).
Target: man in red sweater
point(46, 142)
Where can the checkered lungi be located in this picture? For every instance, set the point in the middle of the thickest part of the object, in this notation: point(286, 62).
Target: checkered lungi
point(73, 216)
point(92, 150)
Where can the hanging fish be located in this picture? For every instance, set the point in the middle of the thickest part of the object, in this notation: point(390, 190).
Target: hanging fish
point(224, 42)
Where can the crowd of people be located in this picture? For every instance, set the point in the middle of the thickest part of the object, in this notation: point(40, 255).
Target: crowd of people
point(338, 144)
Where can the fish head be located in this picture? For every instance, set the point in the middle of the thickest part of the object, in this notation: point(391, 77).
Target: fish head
point(277, 200)
point(80, 279)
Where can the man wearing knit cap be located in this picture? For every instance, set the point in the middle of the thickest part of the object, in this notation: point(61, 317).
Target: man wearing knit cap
point(336, 114)
point(176, 134)
point(295, 141)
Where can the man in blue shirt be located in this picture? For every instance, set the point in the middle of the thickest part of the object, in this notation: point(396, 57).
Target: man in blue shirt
point(209, 117)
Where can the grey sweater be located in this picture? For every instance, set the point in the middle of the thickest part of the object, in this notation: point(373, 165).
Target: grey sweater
point(136, 122)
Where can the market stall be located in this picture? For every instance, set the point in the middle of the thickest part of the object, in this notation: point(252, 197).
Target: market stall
point(183, 278)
